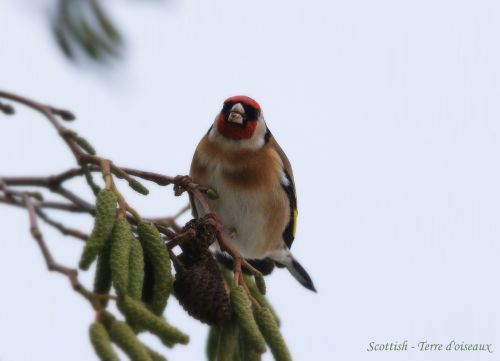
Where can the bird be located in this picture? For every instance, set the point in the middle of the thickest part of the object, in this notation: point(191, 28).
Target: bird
point(257, 203)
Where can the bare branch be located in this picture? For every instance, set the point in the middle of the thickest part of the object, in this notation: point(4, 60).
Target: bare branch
point(52, 265)
point(90, 163)
point(59, 226)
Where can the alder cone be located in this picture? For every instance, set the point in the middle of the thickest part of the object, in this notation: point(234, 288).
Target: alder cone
point(198, 284)
point(196, 248)
point(200, 290)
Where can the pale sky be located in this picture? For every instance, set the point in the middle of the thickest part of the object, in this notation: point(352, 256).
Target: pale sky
point(388, 110)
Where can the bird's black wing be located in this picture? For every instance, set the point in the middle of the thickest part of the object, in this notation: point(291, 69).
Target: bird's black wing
point(289, 188)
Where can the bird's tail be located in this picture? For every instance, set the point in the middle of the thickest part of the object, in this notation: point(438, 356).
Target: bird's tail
point(285, 258)
point(300, 274)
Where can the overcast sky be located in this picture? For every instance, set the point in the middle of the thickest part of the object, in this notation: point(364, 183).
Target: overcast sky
point(388, 110)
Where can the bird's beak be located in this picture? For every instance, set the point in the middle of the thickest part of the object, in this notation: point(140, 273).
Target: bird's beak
point(236, 114)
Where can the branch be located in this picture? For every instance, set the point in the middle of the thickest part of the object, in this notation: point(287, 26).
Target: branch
point(52, 265)
point(59, 226)
point(10, 199)
point(89, 162)
point(121, 242)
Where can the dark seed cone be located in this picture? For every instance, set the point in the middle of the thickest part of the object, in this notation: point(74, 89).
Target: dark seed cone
point(200, 290)
point(198, 284)
point(196, 248)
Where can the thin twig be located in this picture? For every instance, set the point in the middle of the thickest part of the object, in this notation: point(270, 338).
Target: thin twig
point(89, 163)
point(106, 173)
point(165, 230)
point(181, 237)
point(61, 227)
point(80, 202)
point(52, 265)
point(44, 204)
point(172, 221)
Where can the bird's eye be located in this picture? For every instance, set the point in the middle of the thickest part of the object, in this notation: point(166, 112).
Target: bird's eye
point(226, 107)
point(251, 112)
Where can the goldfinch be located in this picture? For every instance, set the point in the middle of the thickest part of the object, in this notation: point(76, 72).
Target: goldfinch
point(241, 160)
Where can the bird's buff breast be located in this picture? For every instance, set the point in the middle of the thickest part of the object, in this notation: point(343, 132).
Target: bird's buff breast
point(254, 216)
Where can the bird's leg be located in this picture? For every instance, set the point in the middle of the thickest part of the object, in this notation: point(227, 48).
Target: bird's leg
point(181, 184)
point(237, 269)
point(230, 231)
point(247, 290)
point(237, 272)
point(238, 260)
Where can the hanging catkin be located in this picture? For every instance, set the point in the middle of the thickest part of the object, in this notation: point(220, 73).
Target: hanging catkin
point(270, 330)
point(246, 321)
point(141, 316)
point(120, 251)
point(157, 254)
point(103, 224)
point(135, 269)
point(101, 342)
point(122, 335)
point(228, 342)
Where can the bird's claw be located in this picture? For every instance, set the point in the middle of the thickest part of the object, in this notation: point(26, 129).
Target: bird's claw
point(181, 183)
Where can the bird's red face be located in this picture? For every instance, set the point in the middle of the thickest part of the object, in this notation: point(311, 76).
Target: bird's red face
point(238, 118)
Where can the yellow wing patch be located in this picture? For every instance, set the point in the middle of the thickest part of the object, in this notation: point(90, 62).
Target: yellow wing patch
point(294, 227)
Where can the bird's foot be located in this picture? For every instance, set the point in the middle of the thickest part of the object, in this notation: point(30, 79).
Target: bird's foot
point(181, 184)
point(238, 260)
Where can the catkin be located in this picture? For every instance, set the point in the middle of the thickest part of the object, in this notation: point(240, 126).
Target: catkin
point(141, 316)
point(155, 356)
point(120, 251)
point(270, 330)
point(212, 343)
point(228, 342)
point(101, 342)
point(102, 280)
point(103, 224)
point(261, 284)
point(138, 187)
point(85, 145)
point(247, 353)
point(135, 269)
point(261, 299)
point(122, 335)
point(157, 254)
point(245, 318)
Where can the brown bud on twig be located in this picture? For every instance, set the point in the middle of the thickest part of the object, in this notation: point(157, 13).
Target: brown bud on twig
point(64, 114)
point(196, 248)
point(85, 145)
point(7, 109)
point(212, 193)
